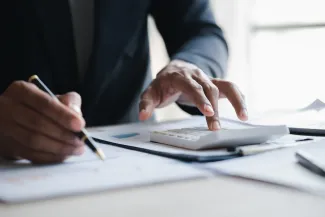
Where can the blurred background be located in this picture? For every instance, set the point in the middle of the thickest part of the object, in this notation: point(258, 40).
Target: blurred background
point(277, 52)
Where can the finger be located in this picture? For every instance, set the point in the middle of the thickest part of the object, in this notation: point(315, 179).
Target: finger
point(41, 143)
point(212, 93)
point(19, 151)
point(32, 120)
point(148, 102)
point(72, 100)
point(8, 147)
point(234, 96)
point(37, 157)
point(193, 90)
point(43, 103)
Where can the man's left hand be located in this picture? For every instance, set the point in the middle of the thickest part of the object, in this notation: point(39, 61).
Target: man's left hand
point(187, 84)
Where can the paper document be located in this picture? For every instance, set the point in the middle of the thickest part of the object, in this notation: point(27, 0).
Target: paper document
point(137, 137)
point(22, 181)
point(312, 116)
point(278, 167)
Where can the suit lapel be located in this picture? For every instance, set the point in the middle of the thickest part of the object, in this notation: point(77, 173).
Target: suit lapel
point(115, 24)
point(55, 21)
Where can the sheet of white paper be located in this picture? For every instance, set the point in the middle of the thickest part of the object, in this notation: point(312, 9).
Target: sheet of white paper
point(313, 115)
point(278, 167)
point(123, 168)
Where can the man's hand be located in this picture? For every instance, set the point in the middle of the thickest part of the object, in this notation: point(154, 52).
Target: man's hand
point(36, 127)
point(187, 84)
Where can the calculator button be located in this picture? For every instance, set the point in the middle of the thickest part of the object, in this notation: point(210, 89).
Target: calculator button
point(163, 133)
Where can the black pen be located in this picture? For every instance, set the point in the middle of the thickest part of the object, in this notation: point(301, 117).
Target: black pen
point(83, 135)
point(307, 160)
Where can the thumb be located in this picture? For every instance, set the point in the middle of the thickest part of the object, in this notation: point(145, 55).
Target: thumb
point(149, 101)
point(72, 100)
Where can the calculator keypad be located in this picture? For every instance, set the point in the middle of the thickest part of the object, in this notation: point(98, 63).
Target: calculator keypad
point(186, 133)
point(193, 133)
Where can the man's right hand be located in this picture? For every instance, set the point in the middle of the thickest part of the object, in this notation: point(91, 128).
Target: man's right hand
point(36, 127)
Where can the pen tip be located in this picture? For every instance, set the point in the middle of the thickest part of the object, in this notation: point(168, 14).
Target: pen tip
point(101, 154)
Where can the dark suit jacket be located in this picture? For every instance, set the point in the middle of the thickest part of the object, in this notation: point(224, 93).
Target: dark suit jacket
point(37, 38)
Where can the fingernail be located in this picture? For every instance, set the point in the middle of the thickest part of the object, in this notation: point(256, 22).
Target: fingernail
point(244, 113)
point(76, 108)
point(208, 108)
point(215, 125)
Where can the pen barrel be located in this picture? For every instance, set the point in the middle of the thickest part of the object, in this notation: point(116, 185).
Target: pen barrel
point(35, 80)
point(88, 141)
point(83, 134)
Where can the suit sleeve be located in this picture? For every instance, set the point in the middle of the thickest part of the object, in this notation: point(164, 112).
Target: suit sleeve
point(191, 33)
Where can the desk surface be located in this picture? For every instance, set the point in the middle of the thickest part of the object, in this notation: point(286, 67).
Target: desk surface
point(220, 196)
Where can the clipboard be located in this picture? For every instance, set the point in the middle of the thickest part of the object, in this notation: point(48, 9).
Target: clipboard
point(183, 157)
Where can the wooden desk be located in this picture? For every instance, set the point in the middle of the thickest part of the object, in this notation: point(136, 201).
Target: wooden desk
point(221, 196)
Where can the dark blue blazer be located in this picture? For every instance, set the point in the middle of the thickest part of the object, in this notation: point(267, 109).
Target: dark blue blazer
point(37, 38)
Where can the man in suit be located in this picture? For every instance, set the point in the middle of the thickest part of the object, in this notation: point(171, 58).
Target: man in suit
point(98, 51)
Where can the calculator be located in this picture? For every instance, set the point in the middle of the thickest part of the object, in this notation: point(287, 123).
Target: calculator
point(198, 138)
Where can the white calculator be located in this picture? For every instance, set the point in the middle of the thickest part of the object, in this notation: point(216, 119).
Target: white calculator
point(198, 138)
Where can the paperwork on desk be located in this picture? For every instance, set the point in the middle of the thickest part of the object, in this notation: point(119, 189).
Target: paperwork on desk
point(22, 181)
point(311, 116)
point(278, 167)
point(137, 137)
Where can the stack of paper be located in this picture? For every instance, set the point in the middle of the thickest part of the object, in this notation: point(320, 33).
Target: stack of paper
point(308, 120)
point(123, 168)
